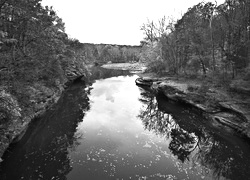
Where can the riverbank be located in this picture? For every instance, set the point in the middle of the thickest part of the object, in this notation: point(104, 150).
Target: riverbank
point(17, 111)
point(226, 107)
point(16, 121)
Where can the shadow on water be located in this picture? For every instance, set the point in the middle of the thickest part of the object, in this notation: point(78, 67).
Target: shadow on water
point(193, 138)
point(43, 151)
point(44, 147)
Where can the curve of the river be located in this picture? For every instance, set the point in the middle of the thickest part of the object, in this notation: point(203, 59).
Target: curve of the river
point(113, 129)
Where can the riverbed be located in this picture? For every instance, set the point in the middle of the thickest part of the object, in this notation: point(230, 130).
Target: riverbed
point(113, 129)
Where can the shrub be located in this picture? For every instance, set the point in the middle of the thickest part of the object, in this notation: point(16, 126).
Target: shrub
point(158, 67)
point(192, 88)
point(9, 107)
point(203, 89)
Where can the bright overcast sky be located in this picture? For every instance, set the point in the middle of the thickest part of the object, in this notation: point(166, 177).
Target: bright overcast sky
point(115, 21)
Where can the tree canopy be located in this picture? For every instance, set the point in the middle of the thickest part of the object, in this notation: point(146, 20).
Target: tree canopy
point(34, 45)
point(209, 38)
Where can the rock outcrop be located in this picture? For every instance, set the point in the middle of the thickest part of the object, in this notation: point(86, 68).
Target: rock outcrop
point(14, 118)
point(144, 82)
point(76, 70)
point(218, 106)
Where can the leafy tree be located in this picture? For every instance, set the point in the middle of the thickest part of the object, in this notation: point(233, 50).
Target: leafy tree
point(208, 38)
point(35, 51)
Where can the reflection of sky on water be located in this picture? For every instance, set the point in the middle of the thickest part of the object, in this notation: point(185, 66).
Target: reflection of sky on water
point(114, 144)
point(110, 102)
point(115, 130)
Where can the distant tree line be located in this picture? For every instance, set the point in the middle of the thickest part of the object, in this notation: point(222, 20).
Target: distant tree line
point(103, 53)
point(208, 39)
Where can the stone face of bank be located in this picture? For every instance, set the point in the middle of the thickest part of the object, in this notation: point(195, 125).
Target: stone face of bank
point(219, 107)
point(14, 120)
point(17, 119)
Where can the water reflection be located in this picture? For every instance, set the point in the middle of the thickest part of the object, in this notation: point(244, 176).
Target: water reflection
point(114, 130)
point(121, 142)
point(194, 140)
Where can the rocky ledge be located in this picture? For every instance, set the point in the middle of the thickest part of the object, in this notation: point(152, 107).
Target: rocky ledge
point(14, 118)
point(222, 108)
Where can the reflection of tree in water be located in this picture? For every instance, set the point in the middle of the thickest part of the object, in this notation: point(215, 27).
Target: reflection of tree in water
point(43, 151)
point(182, 143)
point(192, 137)
point(225, 156)
point(152, 118)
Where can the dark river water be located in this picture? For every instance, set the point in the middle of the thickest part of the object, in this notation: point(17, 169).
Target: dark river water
point(112, 129)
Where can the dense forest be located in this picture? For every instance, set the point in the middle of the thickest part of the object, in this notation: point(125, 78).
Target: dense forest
point(209, 40)
point(34, 46)
point(36, 58)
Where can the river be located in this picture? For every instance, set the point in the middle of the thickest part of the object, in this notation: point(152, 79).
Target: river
point(112, 129)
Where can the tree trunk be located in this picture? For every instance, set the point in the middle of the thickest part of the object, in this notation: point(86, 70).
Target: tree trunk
point(248, 45)
point(212, 39)
point(202, 65)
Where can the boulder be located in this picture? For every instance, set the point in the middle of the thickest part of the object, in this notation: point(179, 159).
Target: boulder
point(143, 82)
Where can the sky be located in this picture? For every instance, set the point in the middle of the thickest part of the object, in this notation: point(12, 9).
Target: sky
point(115, 21)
